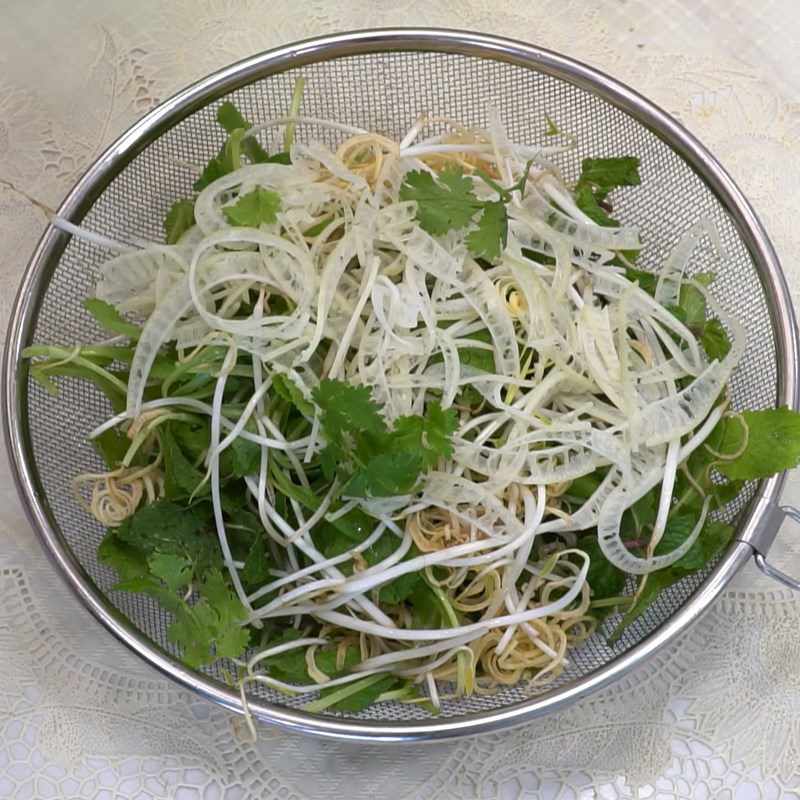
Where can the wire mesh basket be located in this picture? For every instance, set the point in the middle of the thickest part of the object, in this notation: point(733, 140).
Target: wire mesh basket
point(382, 80)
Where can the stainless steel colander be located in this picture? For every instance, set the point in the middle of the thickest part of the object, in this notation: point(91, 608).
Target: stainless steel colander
point(381, 80)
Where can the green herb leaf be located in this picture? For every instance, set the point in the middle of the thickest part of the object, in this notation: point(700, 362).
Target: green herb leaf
point(359, 694)
point(714, 339)
point(603, 577)
point(443, 203)
point(169, 527)
point(258, 207)
point(398, 590)
point(112, 446)
point(127, 560)
point(386, 475)
point(773, 445)
point(286, 388)
point(647, 280)
point(181, 478)
point(587, 202)
point(346, 409)
point(231, 119)
point(174, 570)
point(110, 318)
point(428, 436)
point(491, 235)
point(210, 629)
point(602, 175)
point(289, 666)
point(227, 160)
point(245, 457)
point(179, 219)
point(256, 564)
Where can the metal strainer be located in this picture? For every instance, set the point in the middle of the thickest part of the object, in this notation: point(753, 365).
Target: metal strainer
point(381, 80)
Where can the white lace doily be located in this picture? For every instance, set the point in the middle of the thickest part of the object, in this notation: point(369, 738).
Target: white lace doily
point(717, 715)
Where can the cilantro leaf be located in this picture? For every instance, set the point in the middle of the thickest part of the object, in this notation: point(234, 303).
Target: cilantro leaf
point(429, 435)
point(210, 628)
point(227, 160)
point(169, 527)
point(601, 175)
point(255, 208)
point(174, 570)
point(179, 219)
point(110, 318)
point(443, 203)
point(490, 237)
point(773, 445)
point(386, 475)
point(346, 408)
point(127, 560)
point(370, 459)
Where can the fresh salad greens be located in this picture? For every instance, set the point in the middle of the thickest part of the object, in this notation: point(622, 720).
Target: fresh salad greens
point(407, 414)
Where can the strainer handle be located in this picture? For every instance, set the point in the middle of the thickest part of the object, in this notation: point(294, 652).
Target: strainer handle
point(773, 572)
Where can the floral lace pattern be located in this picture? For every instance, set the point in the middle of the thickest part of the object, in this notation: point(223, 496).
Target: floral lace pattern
point(716, 715)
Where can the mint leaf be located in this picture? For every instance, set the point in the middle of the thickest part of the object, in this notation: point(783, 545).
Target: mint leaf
point(714, 339)
point(112, 446)
point(601, 175)
point(604, 579)
point(398, 590)
point(386, 475)
point(256, 564)
point(231, 119)
point(647, 280)
point(773, 445)
point(360, 694)
point(258, 207)
point(110, 318)
point(244, 457)
point(181, 477)
point(587, 202)
point(444, 203)
point(179, 219)
point(491, 235)
point(712, 540)
point(289, 666)
point(286, 388)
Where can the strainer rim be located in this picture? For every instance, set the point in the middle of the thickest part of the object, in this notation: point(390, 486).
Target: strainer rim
point(48, 252)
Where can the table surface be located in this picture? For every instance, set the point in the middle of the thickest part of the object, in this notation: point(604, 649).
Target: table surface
point(716, 715)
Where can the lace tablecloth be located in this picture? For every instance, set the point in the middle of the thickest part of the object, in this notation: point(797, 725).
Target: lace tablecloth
point(717, 715)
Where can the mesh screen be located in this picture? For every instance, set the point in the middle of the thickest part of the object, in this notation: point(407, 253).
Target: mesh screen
point(386, 93)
